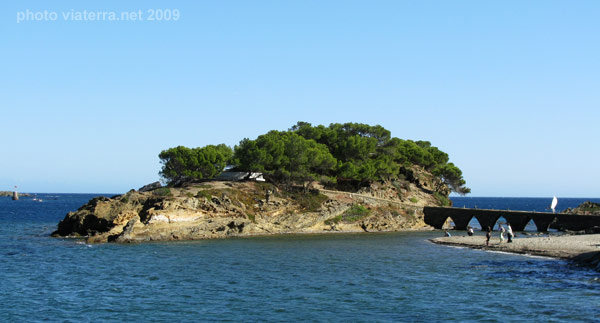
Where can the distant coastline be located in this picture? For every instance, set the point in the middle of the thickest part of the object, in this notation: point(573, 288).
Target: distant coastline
point(10, 193)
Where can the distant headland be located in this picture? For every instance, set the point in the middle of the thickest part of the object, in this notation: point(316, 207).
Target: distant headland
point(10, 193)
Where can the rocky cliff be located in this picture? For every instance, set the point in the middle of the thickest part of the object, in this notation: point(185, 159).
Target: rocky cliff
point(220, 209)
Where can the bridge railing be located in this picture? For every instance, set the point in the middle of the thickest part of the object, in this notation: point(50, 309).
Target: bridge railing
point(437, 216)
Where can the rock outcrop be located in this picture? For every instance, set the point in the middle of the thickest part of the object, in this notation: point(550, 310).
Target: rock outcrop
point(150, 187)
point(10, 193)
point(221, 209)
point(585, 208)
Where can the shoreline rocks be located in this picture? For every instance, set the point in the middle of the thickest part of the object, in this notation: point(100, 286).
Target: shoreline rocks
point(221, 209)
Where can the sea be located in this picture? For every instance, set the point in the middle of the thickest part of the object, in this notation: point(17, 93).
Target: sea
point(366, 277)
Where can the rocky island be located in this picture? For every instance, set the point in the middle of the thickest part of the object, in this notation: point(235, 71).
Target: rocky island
point(219, 209)
point(341, 178)
point(10, 194)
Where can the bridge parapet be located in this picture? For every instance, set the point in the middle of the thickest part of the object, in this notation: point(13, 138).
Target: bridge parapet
point(437, 216)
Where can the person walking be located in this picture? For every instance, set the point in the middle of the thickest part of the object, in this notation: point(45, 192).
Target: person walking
point(509, 232)
point(488, 235)
point(502, 230)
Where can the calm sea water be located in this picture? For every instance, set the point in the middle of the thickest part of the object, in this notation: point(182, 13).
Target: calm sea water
point(385, 277)
point(519, 203)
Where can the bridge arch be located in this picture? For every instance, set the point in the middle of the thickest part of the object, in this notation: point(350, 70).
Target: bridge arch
point(460, 222)
point(500, 221)
point(448, 223)
point(487, 220)
point(437, 216)
point(542, 221)
point(517, 222)
point(474, 223)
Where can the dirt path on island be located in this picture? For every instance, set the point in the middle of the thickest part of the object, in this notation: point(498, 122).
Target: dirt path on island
point(364, 196)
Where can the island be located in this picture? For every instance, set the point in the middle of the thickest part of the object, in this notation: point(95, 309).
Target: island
point(10, 194)
point(348, 177)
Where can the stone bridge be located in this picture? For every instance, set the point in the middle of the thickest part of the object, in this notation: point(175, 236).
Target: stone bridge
point(437, 216)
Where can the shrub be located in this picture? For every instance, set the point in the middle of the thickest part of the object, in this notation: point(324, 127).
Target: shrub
point(355, 213)
point(308, 201)
point(163, 191)
point(204, 194)
point(444, 201)
point(401, 184)
point(334, 220)
point(125, 198)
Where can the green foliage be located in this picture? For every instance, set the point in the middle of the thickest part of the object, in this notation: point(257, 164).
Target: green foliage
point(356, 146)
point(308, 201)
point(204, 194)
point(162, 191)
point(443, 200)
point(587, 206)
point(414, 200)
point(355, 213)
point(182, 163)
point(339, 153)
point(369, 153)
point(251, 217)
point(284, 156)
point(125, 197)
point(401, 184)
point(452, 176)
point(328, 180)
point(334, 220)
point(357, 210)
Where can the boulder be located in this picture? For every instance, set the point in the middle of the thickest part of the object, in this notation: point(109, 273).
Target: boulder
point(150, 187)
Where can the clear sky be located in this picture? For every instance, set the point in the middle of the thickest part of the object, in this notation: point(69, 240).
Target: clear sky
point(509, 89)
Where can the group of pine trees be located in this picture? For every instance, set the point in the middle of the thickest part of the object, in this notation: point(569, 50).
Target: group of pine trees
point(306, 153)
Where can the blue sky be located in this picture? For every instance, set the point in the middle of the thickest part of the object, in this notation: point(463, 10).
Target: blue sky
point(509, 89)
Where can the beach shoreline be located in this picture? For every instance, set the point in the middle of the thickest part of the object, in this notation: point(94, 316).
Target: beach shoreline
point(582, 249)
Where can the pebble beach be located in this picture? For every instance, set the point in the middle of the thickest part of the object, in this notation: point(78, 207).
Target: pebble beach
point(583, 249)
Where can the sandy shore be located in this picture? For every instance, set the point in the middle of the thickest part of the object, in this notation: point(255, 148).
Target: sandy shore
point(584, 249)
